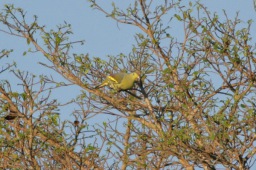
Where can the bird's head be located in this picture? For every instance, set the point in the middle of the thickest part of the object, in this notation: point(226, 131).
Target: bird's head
point(135, 76)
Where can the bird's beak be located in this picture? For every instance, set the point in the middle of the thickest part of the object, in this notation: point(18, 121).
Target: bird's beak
point(138, 78)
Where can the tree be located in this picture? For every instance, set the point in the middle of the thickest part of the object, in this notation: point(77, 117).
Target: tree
point(193, 107)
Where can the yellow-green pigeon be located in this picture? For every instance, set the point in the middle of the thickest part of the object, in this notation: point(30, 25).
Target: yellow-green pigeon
point(120, 81)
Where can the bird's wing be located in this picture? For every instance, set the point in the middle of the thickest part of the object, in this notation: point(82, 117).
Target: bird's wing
point(111, 80)
point(127, 82)
point(118, 77)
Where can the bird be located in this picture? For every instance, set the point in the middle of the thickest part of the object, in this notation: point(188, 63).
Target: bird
point(120, 81)
point(12, 115)
point(76, 123)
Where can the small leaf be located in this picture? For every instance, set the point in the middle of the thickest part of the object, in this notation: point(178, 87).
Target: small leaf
point(28, 41)
point(24, 96)
point(242, 105)
point(104, 124)
point(14, 94)
point(178, 17)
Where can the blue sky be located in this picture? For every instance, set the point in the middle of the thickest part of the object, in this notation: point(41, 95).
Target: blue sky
point(102, 35)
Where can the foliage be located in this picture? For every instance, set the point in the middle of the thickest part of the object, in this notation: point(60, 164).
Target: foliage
point(193, 107)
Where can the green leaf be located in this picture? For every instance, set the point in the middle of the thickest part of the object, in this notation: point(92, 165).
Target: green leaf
point(171, 85)
point(24, 96)
point(178, 17)
point(14, 94)
point(104, 124)
point(196, 73)
point(243, 106)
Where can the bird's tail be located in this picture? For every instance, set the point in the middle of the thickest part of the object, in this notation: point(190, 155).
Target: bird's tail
point(101, 85)
point(109, 81)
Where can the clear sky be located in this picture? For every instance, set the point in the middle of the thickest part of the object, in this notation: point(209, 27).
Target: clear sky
point(102, 35)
